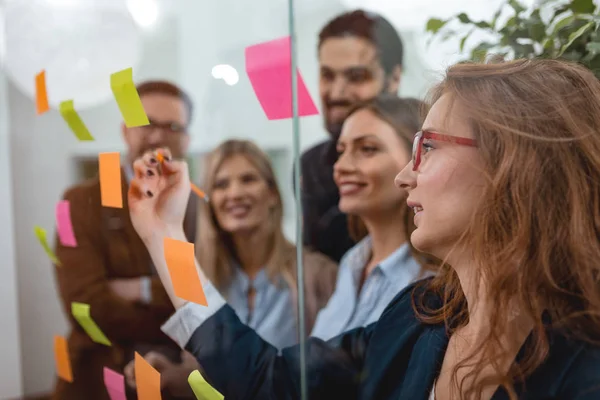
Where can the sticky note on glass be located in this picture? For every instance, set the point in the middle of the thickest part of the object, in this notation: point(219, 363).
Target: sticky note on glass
point(268, 66)
point(115, 384)
point(67, 110)
point(128, 98)
point(41, 235)
point(62, 360)
point(202, 389)
point(81, 312)
point(64, 225)
point(109, 166)
point(147, 380)
point(41, 95)
point(182, 268)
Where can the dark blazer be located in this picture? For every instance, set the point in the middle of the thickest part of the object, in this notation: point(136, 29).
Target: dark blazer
point(397, 357)
point(108, 247)
point(325, 226)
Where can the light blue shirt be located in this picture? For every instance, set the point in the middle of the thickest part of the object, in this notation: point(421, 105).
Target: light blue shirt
point(273, 316)
point(348, 308)
point(345, 310)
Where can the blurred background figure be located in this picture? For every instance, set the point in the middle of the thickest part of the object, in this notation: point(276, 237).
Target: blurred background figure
point(110, 268)
point(252, 264)
point(360, 56)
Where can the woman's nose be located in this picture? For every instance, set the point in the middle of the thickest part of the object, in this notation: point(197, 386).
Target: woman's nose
point(406, 178)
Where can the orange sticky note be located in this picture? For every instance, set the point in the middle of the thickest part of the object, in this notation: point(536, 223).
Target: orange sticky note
point(110, 180)
point(41, 96)
point(61, 356)
point(147, 380)
point(182, 268)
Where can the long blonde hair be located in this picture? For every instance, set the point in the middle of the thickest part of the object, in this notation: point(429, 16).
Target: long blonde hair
point(214, 248)
point(535, 234)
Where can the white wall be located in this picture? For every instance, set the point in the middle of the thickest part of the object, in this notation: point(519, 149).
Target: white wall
point(11, 384)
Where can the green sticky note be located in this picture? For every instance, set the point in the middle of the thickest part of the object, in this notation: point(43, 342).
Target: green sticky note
point(128, 98)
point(202, 389)
point(67, 110)
point(81, 312)
point(41, 235)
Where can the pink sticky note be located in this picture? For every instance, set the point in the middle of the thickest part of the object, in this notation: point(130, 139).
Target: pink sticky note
point(268, 66)
point(63, 224)
point(115, 384)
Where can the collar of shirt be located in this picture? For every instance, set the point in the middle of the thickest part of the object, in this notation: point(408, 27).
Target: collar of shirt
point(242, 280)
point(357, 258)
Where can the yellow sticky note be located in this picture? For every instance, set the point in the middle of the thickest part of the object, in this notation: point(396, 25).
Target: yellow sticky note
point(67, 110)
point(202, 389)
point(81, 312)
point(128, 98)
point(41, 235)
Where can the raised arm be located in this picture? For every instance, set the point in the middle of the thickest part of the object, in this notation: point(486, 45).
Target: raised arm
point(83, 278)
point(233, 357)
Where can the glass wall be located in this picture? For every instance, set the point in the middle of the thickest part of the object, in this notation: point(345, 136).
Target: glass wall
point(234, 58)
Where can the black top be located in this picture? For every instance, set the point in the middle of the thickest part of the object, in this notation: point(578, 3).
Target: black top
point(325, 226)
point(397, 357)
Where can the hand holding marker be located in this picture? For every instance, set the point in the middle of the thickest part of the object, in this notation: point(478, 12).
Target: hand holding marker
point(195, 189)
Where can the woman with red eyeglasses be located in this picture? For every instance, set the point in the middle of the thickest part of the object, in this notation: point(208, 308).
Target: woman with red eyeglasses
point(505, 185)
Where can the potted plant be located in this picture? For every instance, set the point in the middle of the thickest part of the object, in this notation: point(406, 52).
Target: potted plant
point(551, 29)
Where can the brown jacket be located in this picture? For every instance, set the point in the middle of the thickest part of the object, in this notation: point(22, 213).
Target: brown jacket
point(108, 248)
point(320, 276)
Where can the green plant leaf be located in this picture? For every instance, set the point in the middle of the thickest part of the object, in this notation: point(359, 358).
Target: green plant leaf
point(537, 31)
point(464, 39)
point(582, 6)
point(574, 36)
point(480, 52)
point(563, 23)
point(495, 18)
point(511, 23)
point(518, 7)
point(593, 48)
point(483, 25)
point(434, 25)
point(548, 47)
point(464, 18)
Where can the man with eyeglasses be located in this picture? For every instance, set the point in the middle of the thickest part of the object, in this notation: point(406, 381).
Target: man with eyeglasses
point(110, 268)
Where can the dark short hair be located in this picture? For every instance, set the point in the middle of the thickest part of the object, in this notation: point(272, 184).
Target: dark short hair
point(372, 27)
point(168, 88)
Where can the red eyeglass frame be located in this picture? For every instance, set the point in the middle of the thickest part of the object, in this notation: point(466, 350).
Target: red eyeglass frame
point(422, 135)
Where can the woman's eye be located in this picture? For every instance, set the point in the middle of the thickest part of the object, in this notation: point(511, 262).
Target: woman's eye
point(249, 179)
point(220, 185)
point(368, 149)
point(427, 147)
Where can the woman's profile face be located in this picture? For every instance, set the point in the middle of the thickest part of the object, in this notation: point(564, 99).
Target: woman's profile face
point(240, 197)
point(447, 185)
point(370, 155)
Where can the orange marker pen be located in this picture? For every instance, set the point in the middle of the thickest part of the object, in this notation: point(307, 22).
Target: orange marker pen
point(195, 188)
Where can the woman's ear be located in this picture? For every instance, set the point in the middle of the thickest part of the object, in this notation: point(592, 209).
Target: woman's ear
point(394, 80)
point(273, 199)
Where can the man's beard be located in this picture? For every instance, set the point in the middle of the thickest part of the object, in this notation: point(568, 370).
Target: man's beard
point(334, 128)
